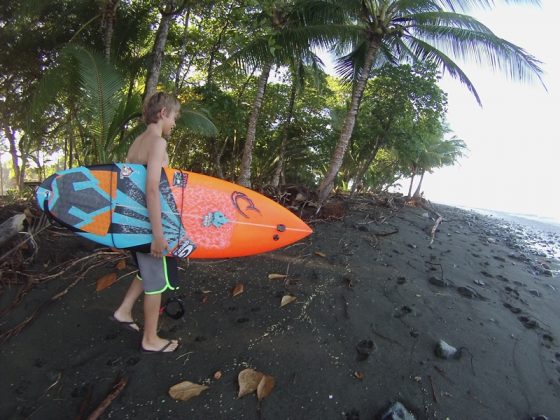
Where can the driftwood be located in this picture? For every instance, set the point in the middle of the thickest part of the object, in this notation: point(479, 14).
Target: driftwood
point(11, 227)
point(119, 385)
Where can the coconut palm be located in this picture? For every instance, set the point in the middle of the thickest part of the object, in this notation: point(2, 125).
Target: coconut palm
point(378, 31)
point(285, 40)
point(434, 152)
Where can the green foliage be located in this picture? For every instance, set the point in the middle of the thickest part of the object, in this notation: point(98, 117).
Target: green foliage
point(60, 95)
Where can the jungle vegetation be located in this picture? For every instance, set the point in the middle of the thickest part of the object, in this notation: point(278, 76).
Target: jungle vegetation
point(258, 107)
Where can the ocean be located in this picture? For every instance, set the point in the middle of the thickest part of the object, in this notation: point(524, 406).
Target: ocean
point(540, 234)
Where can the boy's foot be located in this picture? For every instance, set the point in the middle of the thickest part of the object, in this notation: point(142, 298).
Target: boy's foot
point(127, 324)
point(166, 346)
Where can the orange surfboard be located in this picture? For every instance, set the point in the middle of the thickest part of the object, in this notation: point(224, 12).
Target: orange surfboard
point(202, 216)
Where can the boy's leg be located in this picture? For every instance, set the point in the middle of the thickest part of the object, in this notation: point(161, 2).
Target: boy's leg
point(151, 340)
point(124, 311)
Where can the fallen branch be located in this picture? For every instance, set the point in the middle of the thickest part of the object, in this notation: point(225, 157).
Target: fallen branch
point(433, 389)
point(32, 282)
point(438, 222)
point(18, 328)
point(119, 385)
point(85, 402)
point(386, 233)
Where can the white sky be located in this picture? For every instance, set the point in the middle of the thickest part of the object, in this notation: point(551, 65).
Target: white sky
point(514, 146)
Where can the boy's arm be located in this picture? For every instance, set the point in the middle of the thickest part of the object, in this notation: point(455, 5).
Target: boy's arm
point(156, 157)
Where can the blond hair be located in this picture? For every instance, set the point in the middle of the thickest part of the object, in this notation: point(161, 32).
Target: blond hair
point(156, 103)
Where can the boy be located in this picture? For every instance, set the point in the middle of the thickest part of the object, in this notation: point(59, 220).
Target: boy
point(150, 148)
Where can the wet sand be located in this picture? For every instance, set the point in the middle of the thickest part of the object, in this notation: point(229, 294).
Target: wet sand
point(370, 276)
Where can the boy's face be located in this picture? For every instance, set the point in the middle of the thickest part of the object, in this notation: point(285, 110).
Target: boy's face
point(168, 118)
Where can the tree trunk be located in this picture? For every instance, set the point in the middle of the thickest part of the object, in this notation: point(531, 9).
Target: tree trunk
point(109, 13)
point(218, 171)
point(364, 168)
point(419, 187)
point(282, 153)
point(215, 49)
point(244, 178)
point(183, 51)
point(337, 158)
point(411, 183)
point(157, 52)
point(10, 135)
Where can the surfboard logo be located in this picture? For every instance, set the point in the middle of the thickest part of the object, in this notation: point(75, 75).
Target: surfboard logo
point(126, 171)
point(184, 248)
point(236, 196)
point(214, 218)
point(180, 179)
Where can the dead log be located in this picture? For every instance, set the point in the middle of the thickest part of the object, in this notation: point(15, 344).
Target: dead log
point(11, 227)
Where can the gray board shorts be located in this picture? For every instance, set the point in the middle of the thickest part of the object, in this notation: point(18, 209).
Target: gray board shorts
point(157, 274)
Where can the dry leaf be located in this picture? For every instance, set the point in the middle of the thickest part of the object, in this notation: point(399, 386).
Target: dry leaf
point(121, 265)
point(359, 375)
point(186, 390)
point(249, 380)
point(287, 299)
point(265, 387)
point(277, 276)
point(105, 281)
point(320, 254)
point(238, 289)
point(218, 375)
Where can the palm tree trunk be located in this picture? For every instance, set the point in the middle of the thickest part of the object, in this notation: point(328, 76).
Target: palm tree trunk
point(10, 135)
point(157, 54)
point(419, 187)
point(244, 178)
point(365, 167)
point(282, 153)
point(337, 158)
point(109, 14)
point(411, 183)
point(183, 51)
point(215, 49)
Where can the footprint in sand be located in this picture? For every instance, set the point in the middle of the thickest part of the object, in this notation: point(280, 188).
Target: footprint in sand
point(513, 309)
point(528, 322)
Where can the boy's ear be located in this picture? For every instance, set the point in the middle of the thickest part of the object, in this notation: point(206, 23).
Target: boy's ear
point(162, 112)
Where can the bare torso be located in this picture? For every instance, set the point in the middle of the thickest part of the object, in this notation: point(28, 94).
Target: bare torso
point(140, 150)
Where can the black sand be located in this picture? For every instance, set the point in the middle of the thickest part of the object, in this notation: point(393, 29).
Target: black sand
point(371, 275)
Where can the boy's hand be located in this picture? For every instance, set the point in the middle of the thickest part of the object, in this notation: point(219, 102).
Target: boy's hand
point(159, 244)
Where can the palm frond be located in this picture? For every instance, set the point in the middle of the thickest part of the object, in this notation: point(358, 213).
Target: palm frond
point(197, 121)
point(466, 5)
point(423, 51)
point(101, 86)
point(482, 47)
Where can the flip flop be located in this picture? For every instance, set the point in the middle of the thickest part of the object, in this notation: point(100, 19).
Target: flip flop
point(162, 350)
point(127, 325)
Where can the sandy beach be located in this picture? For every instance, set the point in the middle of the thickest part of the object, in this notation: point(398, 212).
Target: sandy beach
point(373, 298)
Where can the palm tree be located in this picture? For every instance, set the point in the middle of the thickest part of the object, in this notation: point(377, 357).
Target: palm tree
point(286, 37)
point(169, 10)
point(434, 152)
point(378, 31)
